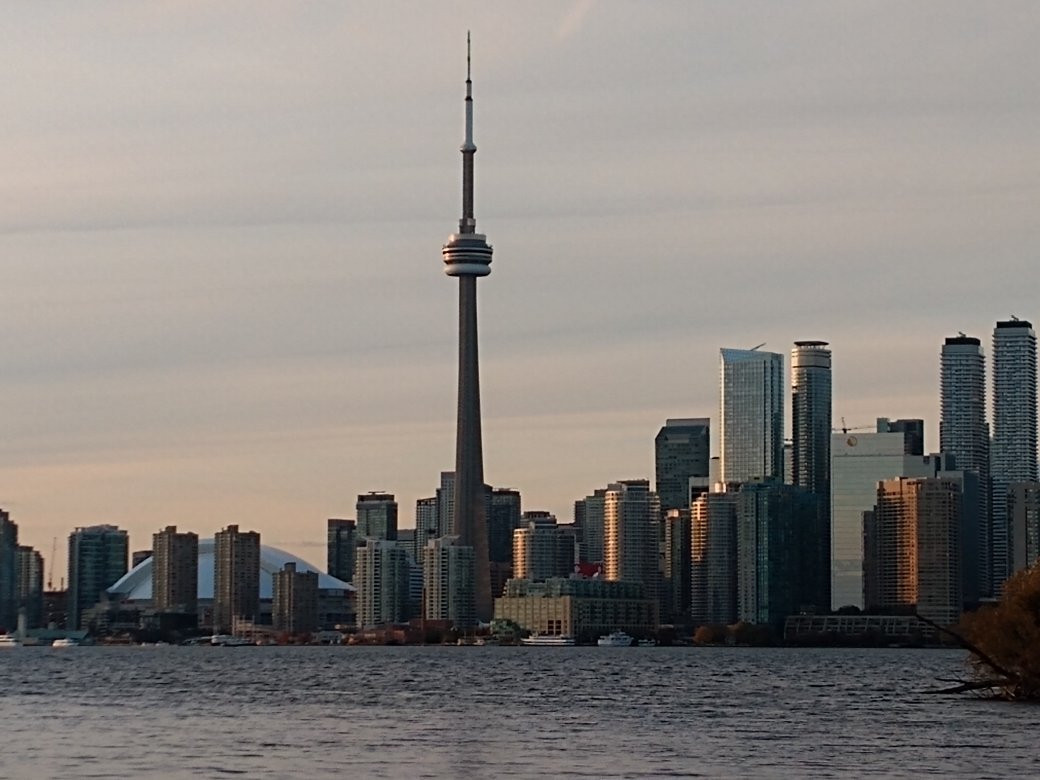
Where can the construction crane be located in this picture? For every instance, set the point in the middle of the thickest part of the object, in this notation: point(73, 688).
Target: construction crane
point(846, 428)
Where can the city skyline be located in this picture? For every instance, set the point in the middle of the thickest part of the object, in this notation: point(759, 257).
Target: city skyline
point(220, 302)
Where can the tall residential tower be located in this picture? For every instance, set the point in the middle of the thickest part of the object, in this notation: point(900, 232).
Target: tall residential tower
point(1014, 429)
point(963, 432)
point(467, 255)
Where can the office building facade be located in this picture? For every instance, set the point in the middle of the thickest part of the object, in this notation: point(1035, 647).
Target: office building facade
point(681, 450)
point(751, 417)
point(503, 519)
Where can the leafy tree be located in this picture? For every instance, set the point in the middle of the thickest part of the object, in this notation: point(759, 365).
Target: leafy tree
point(1004, 642)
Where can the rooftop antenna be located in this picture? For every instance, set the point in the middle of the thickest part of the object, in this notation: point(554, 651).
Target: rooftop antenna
point(54, 554)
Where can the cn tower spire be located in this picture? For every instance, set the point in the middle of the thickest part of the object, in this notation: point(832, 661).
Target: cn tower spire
point(468, 223)
point(467, 255)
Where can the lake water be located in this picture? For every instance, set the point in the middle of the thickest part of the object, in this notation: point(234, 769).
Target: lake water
point(405, 712)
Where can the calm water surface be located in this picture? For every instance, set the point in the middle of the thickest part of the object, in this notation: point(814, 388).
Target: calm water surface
point(500, 712)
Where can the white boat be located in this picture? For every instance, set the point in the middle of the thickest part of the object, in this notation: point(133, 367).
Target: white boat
point(65, 642)
point(9, 641)
point(226, 640)
point(548, 640)
point(615, 639)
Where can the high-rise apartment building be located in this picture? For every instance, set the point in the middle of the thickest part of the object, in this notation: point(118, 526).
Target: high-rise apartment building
point(448, 571)
point(913, 553)
point(631, 528)
point(751, 418)
point(964, 433)
point(175, 571)
point(858, 462)
point(811, 417)
point(341, 540)
point(382, 582)
point(713, 549)
point(1024, 522)
point(98, 556)
point(295, 606)
point(779, 570)
point(427, 525)
point(30, 585)
point(1014, 454)
point(681, 451)
point(542, 549)
point(445, 494)
point(377, 516)
point(236, 578)
point(8, 572)
point(588, 516)
point(676, 566)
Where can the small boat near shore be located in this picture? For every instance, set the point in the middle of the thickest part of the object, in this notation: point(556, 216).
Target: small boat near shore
point(7, 640)
point(615, 639)
point(65, 642)
point(548, 640)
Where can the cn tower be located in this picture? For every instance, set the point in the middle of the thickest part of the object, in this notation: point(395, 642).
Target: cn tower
point(467, 255)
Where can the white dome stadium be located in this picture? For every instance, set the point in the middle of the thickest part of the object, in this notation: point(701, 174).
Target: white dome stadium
point(136, 584)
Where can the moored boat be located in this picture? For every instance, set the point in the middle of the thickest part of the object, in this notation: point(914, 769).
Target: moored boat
point(548, 640)
point(7, 640)
point(615, 639)
point(65, 642)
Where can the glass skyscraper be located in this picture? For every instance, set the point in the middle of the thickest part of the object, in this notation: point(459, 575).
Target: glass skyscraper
point(751, 418)
point(680, 452)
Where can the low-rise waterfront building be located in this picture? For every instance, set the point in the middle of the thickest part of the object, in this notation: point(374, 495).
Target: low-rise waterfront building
point(584, 609)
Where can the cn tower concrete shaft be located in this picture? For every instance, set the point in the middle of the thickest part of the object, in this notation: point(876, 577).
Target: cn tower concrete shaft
point(470, 499)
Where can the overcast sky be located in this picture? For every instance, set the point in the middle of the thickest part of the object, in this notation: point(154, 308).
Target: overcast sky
point(223, 298)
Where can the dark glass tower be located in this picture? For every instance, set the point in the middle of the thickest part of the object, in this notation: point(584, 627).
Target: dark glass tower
point(964, 433)
point(467, 255)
